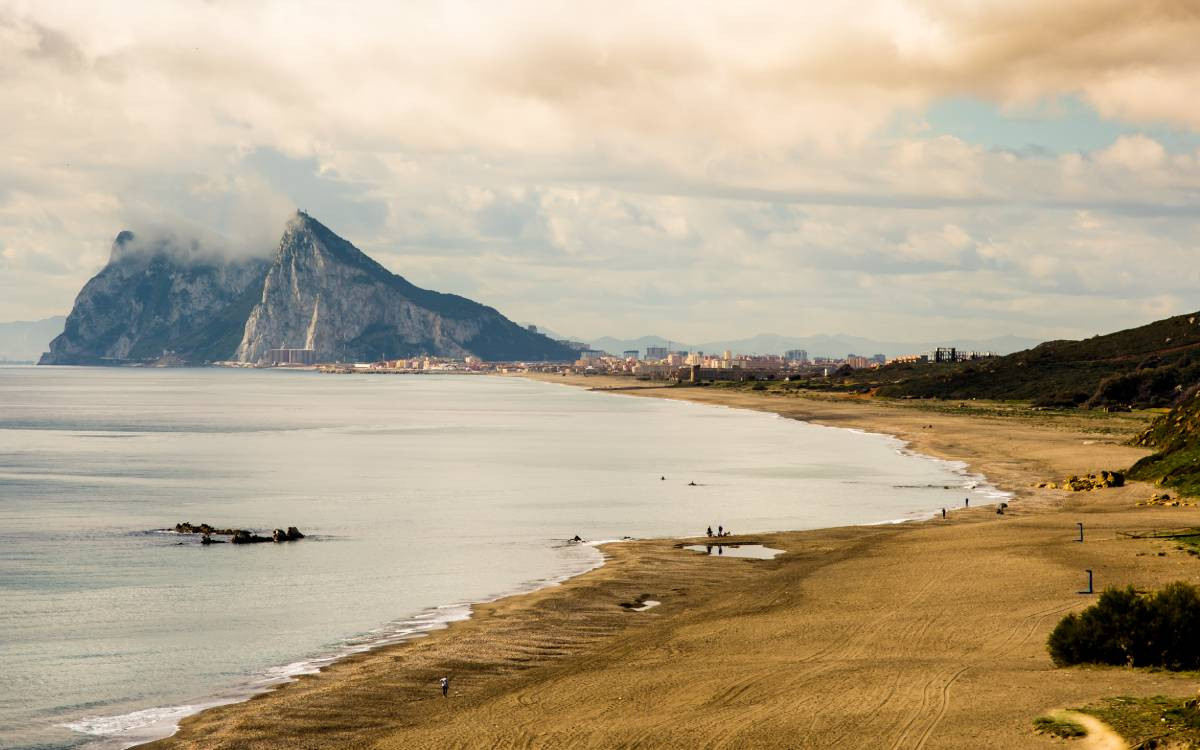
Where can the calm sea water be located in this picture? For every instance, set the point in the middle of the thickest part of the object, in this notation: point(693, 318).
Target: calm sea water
point(419, 493)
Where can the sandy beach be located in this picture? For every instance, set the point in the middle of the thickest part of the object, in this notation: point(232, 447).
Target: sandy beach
point(917, 635)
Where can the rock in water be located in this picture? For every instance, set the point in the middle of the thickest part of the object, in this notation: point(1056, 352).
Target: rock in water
point(293, 533)
point(279, 535)
point(324, 294)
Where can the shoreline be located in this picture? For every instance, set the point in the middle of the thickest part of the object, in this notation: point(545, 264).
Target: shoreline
point(168, 717)
point(251, 726)
point(411, 629)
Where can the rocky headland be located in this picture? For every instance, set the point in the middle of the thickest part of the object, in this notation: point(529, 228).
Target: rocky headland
point(163, 301)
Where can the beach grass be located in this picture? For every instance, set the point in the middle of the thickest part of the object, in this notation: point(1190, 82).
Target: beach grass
point(1161, 720)
point(1058, 726)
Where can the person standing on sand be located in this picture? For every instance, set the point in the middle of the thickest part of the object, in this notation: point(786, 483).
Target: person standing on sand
point(445, 686)
point(709, 531)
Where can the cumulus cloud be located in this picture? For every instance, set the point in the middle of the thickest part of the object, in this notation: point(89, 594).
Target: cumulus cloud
point(690, 168)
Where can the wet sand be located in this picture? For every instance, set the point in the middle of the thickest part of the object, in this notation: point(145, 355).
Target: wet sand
point(919, 635)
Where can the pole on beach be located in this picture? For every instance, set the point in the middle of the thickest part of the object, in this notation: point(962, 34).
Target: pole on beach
point(1090, 590)
point(1080, 525)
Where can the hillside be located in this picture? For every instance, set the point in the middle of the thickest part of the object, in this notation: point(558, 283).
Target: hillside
point(323, 293)
point(1139, 367)
point(319, 292)
point(155, 296)
point(1176, 435)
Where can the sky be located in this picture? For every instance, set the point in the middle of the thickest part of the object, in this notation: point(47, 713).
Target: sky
point(901, 170)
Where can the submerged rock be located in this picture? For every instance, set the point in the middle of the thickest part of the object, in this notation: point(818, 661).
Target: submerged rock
point(237, 536)
point(241, 536)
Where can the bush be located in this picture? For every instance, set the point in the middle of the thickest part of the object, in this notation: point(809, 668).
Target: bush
point(1126, 628)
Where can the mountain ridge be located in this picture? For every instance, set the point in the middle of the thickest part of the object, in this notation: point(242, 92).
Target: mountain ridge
point(24, 341)
point(318, 292)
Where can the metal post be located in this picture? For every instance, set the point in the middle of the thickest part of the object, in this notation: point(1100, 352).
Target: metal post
point(1080, 525)
point(967, 500)
point(1090, 590)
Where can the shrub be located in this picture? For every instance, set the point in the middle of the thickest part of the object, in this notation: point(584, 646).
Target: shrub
point(1126, 628)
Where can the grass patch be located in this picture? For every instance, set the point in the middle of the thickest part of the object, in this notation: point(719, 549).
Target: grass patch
point(1189, 544)
point(1151, 722)
point(1058, 726)
point(1178, 469)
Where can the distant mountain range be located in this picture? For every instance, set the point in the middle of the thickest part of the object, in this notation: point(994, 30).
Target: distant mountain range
point(25, 341)
point(317, 292)
point(816, 346)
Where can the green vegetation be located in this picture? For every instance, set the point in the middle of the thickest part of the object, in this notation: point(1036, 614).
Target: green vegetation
point(1141, 367)
point(1151, 722)
point(1176, 435)
point(1125, 628)
point(1058, 726)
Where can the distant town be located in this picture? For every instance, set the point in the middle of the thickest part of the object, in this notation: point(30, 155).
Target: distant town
point(651, 363)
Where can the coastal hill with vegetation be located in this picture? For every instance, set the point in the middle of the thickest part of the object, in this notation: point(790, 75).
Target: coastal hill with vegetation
point(1176, 436)
point(1143, 367)
point(1155, 366)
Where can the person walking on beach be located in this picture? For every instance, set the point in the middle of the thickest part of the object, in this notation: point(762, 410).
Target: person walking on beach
point(720, 529)
point(445, 686)
point(709, 532)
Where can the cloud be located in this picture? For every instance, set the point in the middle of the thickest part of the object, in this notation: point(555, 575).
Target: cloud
point(1134, 152)
point(686, 167)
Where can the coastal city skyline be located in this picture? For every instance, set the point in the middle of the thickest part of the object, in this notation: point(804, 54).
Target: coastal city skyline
point(919, 170)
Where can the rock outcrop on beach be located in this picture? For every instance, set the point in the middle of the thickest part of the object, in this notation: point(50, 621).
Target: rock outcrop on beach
point(159, 297)
point(322, 293)
point(167, 301)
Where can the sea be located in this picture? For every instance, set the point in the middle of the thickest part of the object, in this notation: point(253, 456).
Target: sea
point(419, 495)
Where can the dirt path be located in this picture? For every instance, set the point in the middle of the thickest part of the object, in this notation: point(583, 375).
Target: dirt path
point(1099, 735)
